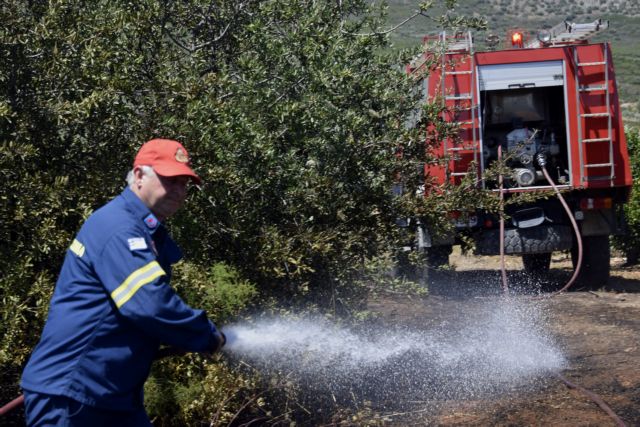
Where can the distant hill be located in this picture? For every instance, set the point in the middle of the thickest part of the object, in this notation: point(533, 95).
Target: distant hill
point(623, 33)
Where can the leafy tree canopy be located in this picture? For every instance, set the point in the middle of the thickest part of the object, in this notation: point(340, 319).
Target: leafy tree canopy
point(292, 111)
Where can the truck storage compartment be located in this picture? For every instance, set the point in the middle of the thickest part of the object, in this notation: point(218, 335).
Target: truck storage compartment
point(523, 111)
point(526, 122)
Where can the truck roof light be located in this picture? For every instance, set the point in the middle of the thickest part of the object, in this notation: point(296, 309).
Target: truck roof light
point(544, 36)
point(517, 39)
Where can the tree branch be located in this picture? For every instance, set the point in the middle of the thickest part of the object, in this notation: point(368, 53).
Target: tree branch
point(420, 12)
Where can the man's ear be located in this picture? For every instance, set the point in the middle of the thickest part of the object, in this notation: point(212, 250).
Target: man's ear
point(138, 175)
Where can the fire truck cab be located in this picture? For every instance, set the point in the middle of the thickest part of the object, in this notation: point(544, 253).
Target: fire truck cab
point(552, 100)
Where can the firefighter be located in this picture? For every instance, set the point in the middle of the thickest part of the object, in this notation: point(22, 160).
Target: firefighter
point(113, 306)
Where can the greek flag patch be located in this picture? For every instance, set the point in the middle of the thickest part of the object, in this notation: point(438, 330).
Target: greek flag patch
point(137, 243)
point(77, 248)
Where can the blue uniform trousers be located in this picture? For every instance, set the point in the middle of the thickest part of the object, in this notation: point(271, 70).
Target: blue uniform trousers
point(46, 410)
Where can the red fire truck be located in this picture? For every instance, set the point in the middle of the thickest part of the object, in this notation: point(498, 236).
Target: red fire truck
point(550, 99)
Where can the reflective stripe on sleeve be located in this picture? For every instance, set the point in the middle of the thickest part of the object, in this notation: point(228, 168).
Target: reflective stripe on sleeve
point(135, 281)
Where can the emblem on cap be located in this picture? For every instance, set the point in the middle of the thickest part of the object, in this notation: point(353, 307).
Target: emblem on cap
point(181, 156)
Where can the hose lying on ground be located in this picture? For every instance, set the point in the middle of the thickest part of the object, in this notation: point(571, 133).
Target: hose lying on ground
point(542, 162)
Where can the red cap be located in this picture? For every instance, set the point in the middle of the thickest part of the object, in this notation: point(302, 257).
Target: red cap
point(167, 157)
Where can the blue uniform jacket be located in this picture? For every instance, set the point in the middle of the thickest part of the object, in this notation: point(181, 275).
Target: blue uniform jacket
point(111, 309)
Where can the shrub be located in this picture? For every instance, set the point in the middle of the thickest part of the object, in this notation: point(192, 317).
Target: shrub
point(630, 243)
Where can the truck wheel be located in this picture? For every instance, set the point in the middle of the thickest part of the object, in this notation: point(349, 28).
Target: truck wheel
point(596, 257)
point(536, 264)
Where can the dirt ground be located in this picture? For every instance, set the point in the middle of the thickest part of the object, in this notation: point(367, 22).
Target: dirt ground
point(599, 332)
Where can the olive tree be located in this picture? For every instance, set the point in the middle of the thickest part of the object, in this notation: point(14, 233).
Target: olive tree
point(295, 113)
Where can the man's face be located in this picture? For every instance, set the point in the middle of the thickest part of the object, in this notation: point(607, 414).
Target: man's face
point(163, 195)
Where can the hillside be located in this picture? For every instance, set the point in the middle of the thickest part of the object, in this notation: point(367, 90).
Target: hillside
point(623, 33)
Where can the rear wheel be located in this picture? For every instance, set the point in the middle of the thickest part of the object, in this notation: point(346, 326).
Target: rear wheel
point(596, 257)
point(536, 264)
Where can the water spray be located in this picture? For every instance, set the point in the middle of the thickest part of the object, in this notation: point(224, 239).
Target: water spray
point(485, 353)
point(503, 346)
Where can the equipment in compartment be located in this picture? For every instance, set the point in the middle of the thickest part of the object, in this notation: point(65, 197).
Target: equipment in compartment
point(526, 123)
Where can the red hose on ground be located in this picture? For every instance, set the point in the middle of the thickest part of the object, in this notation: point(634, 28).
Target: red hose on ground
point(597, 399)
point(606, 408)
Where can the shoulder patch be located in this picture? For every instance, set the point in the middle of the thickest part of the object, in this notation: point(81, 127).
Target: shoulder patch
point(151, 221)
point(77, 248)
point(137, 243)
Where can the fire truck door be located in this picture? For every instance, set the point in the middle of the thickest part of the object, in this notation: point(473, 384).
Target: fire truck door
point(521, 75)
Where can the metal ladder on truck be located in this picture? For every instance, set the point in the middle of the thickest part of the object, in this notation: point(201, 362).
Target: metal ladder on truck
point(594, 137)
point(570, 33)
point(458, 89)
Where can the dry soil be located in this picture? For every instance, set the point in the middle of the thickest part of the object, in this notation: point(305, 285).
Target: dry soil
point(598, 331)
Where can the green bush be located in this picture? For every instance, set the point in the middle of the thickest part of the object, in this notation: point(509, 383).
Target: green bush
point(293, 116)
point(630, 243)
point(191, 389)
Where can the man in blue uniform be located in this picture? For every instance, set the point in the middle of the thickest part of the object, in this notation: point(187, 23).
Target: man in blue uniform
point(113, 306)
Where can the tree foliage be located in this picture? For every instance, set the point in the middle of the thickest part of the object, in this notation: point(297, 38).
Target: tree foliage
point(630, 242)
point(292, 111)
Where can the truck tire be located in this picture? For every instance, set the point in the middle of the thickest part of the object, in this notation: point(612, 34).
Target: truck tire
point(596, 258)
point(536, 240)
point(536, 264)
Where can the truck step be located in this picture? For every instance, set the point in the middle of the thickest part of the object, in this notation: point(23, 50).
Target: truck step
point(592, 88)
point(455, 73)
point(586, 141)
point(462, 149)
point(597, 165)
point(469, 108)
point(457, 49)
point(591, 64)
point(599, 178)
point(595, 115)
point(458, 97)
point(459, 173)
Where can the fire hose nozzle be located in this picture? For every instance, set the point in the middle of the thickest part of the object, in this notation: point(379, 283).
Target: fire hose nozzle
point(541, 158)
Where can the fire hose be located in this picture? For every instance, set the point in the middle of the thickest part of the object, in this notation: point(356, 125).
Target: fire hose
point(18, 401)
point(162, 354)
point(542, 161)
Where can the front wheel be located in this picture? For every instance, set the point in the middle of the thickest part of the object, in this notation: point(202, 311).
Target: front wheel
point(596, 258)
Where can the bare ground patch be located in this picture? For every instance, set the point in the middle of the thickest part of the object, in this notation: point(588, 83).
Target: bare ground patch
point(598, 332)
